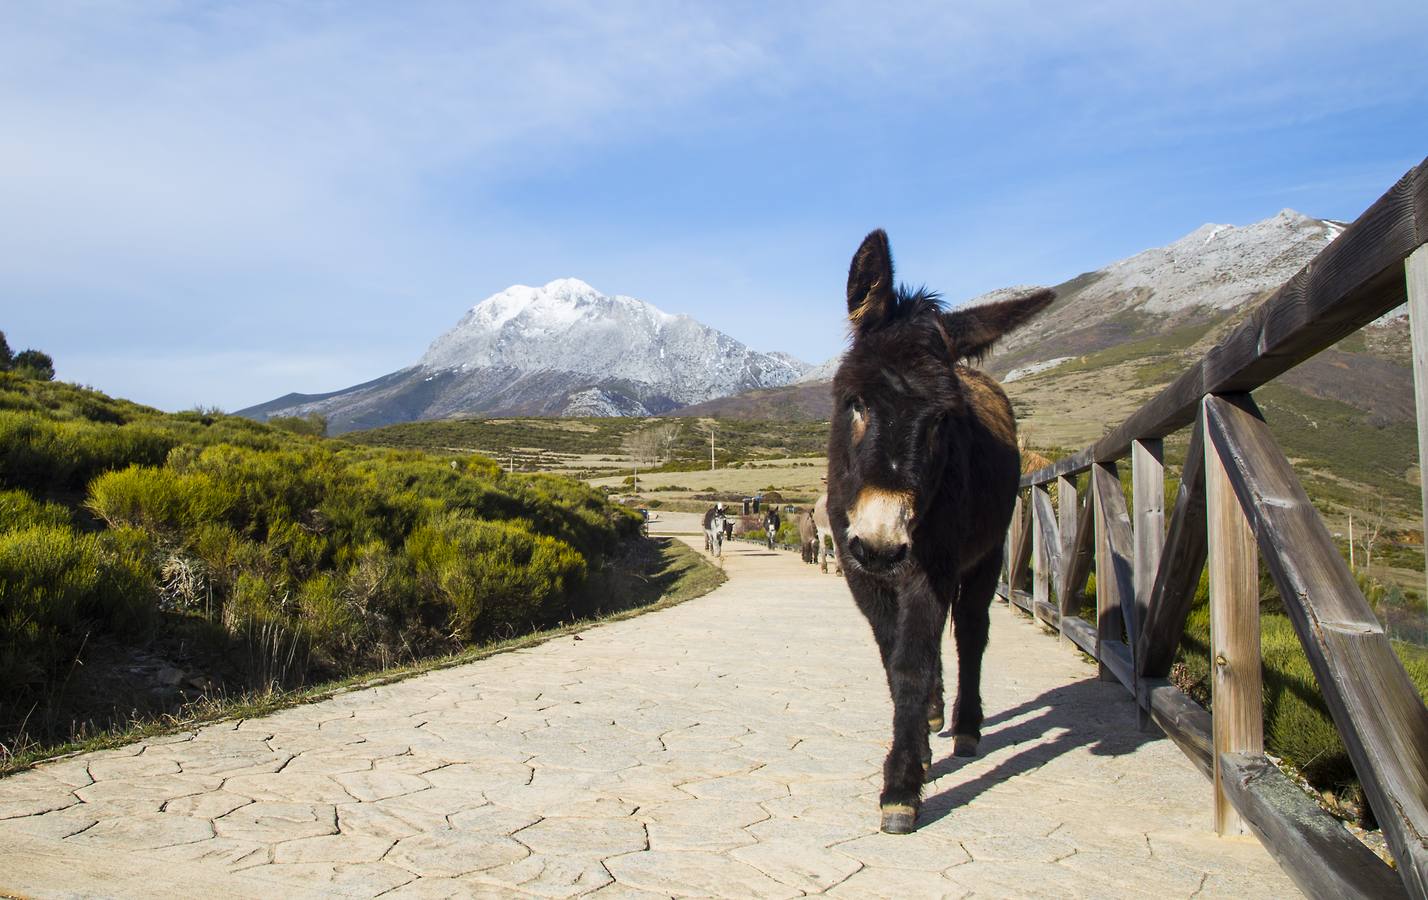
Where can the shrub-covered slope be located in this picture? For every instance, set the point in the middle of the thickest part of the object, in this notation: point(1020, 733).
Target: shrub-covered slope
point(283, 556)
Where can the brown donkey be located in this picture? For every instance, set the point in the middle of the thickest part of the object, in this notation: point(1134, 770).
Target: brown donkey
point(922, 473)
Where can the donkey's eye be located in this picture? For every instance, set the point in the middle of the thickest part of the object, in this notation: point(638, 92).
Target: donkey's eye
point(856, 405)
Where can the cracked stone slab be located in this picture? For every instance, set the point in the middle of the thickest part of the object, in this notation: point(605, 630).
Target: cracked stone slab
point(271, 822)
point(807, 867)
point(685, 873)
point(451, 852)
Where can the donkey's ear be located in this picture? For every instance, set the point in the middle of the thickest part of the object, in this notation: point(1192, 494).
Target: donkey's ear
point(870, 282)
point(972, 331)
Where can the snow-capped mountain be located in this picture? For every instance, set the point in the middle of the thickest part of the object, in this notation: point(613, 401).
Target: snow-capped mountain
point(1206, 274)
point(1158, 296)
point(561, 349)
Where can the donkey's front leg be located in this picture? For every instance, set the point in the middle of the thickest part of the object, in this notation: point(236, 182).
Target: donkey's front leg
point(911, 673)
point(971, 622)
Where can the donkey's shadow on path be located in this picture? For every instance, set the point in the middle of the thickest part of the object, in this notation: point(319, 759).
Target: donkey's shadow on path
point(1087, 713)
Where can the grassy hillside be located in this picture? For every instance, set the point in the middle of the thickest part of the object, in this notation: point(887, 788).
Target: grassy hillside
point(146, 557)
point(595, 443)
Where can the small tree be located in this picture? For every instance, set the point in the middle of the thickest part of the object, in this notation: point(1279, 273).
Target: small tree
point(34, 364)
point(648, 447)
point(7, 357)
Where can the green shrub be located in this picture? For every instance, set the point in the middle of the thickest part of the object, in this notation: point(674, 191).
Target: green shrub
point(326, 616)
point(492, 574)
point(58, 587)
point(19, 510)
point(43, 455)
point(160, 500)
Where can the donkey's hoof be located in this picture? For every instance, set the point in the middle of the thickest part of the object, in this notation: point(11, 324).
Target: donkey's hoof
point(965, 745)
point(899, 818)
point(935, 722)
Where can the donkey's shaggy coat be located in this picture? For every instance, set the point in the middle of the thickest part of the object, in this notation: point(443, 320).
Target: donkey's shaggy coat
point(922, 472)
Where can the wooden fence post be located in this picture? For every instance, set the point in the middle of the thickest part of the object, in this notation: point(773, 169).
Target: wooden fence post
point(1040, 553)
point(1114, 586)
point(1416, 270)
point(1235, 674)
point(1014, 545)
point(1148, 518)
point(1066, 514)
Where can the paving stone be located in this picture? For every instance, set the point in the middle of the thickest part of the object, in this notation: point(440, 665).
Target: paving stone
point(270, 822)
point(144, 795)
point(144, 832)
point(695, 874)
point(451, 852)
point(372, 820)
point(368, 786)
point(595, 838)
point(808, 867)
point(211, 805)
point(225, 852)
point(873, 883)
point(332, 848)
point(919, 850)
point(432, 807)
point(132, 767)
point(349, 880)
point(294, 786)
point(555, 875)
point(35, 800)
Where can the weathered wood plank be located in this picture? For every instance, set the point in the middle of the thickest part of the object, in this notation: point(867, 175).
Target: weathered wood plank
point(1116, 656)
point(1148, 509)
point(1183, 720)
point(1081, 633)
point(1048, 540)
point(1353, 281)
point(1048, 613)
point(1067, 466)
point(1076, 567)
point(1416, 272)
point(1115, 585)
point(1066, 513)
point(1236, 677)
point(1379, 714)
point(1311, 846)
point(1021, 558)
point(1013, 541)
point(1022, 600)
point(1179, 573)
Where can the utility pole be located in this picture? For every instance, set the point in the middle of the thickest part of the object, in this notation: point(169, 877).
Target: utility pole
point(711, 446)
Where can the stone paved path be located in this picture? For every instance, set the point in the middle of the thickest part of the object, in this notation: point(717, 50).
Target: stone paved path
point(727, 747)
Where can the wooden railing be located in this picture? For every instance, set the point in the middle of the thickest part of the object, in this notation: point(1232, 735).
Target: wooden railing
point(1239, 500)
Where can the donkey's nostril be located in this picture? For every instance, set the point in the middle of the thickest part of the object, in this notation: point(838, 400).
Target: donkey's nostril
point(856, 548)
point(875, 558)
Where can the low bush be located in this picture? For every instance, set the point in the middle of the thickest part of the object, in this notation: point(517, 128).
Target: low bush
point(59, 587)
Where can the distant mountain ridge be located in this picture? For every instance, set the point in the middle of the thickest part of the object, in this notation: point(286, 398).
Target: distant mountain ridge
point(562, 349)
point(1190, 285)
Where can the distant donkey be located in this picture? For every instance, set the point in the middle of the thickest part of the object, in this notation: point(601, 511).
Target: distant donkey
point(807, 536)
point(825, 530)
point(922, 473)
point(714, 522)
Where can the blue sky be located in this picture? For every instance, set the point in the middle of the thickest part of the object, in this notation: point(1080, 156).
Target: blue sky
point(217, 203)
